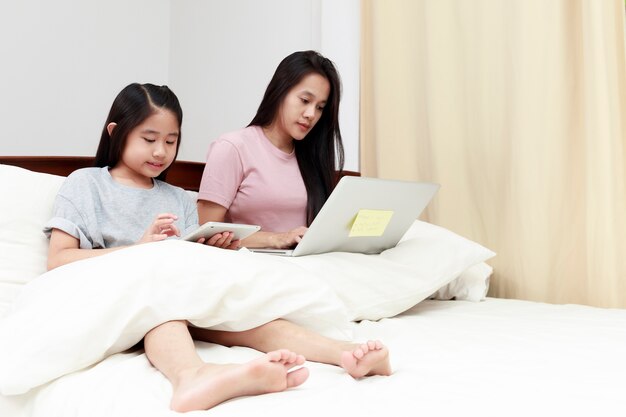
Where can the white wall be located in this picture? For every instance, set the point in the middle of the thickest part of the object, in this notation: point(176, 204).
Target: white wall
point(340, 40)
point(64, 61)
point(223, 54)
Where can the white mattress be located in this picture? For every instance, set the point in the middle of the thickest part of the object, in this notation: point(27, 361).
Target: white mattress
point(497, 357)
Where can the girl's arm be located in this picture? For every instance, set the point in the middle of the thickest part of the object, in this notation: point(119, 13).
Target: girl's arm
point(64, 248)
point(209, 211)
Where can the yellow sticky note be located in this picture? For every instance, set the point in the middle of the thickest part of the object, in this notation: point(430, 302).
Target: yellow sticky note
point(370, 223)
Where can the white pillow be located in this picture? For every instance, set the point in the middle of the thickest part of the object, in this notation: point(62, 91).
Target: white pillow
point(427, 258)
point(25, 206)
point(471, 285)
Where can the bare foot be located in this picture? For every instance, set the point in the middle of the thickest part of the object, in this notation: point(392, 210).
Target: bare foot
point(371, 358)
point(205, 387)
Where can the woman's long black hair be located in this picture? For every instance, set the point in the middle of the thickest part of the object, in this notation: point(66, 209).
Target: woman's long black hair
point(320, 155)
point(134, 104)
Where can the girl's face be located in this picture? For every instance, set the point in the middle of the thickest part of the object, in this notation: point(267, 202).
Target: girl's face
point(150, 149)
point(302, 108)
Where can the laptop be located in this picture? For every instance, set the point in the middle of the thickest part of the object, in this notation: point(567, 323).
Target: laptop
point(363, 215)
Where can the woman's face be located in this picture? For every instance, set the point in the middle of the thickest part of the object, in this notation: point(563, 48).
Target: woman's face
point(302, 107)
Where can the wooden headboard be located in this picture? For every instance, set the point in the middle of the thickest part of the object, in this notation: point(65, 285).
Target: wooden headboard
point(185, 174)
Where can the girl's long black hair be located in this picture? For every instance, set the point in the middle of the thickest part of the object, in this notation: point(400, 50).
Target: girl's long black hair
point(320, 155)
point(134, 104)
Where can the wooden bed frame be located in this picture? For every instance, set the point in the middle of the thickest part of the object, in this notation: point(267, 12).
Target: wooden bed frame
point(185, 174)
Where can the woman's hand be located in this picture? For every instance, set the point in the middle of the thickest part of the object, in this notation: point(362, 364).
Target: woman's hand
point(222, 240)
point(287, 239)
point(283, 240)
point(210, 211)
point(161, 228)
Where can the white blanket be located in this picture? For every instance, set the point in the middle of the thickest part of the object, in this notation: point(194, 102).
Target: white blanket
point(76, 315)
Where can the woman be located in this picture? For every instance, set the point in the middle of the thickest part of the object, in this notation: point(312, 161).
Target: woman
point(277, 173)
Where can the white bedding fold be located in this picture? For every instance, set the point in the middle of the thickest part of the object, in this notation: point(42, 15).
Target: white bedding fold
point(76, 315)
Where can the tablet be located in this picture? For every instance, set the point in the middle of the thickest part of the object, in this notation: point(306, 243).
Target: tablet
point(208, 229)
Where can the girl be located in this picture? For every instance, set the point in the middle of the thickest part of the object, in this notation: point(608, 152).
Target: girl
point(125, 201)
point(277, 173)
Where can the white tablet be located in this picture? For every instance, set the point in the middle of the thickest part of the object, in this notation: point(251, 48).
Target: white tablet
point(208, 229)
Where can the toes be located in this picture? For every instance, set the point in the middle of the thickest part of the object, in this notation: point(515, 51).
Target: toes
point(295, 360)
point(286, 357)
point(362, 350)
point(373, 344)
point(278, 355)
point(273, 356)
point(297, 377)
point(359, 352)
point(378, 345)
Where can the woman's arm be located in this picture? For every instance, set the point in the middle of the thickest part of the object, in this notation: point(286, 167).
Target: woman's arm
point(209, 211)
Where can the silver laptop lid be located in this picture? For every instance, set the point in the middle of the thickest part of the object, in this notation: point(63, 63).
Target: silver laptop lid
point(389, 206)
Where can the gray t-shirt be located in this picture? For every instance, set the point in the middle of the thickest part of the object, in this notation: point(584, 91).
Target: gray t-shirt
point(102, 213)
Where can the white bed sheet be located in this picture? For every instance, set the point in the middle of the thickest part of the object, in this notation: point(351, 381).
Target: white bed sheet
point(497, 357)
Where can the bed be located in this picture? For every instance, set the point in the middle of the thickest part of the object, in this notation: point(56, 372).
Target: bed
point(69, 336)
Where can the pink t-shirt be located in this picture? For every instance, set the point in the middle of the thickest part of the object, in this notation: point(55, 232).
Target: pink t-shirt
point(257, 182)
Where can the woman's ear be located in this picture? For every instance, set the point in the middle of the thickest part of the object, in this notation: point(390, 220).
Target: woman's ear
point(110, 127)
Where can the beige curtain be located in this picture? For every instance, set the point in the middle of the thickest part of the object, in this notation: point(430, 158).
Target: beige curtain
point(518, 109)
